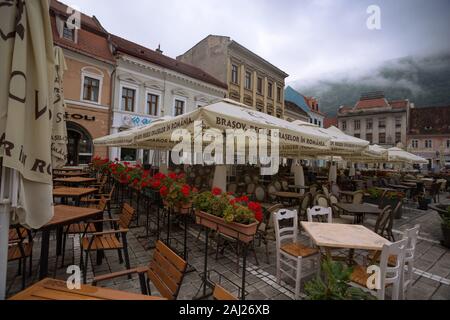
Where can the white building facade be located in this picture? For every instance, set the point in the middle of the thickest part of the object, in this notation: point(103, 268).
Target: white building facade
point(148, 85)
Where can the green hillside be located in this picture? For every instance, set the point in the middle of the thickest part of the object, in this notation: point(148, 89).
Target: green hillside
point(424, 81)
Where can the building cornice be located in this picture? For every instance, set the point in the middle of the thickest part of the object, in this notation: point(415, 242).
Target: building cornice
point(179, 76)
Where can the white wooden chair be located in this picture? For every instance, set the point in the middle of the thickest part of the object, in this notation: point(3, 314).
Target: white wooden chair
point(320, 213)
point(391, 268)
point(290, 253)
point(411, 235)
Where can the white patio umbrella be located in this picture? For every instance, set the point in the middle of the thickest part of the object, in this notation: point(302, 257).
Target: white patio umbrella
point(399, 155)
point(59, 129)
point(26, 102)
point(223, 115)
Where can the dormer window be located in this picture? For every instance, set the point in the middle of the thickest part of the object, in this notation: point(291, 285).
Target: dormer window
point(68, 33)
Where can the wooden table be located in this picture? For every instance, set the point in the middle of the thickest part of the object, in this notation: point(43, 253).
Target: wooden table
point(70, 174)
point(69, 192)
point(75, 180)
point(298, 187)
point(358, 210)
point(344, 236)
point(347, 194)
point(52, 289)
point(63, 215)
point(68, 169)
point(290, 196)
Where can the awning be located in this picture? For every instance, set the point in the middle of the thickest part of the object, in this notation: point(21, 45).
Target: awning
point(224, 115)
point(399, 155)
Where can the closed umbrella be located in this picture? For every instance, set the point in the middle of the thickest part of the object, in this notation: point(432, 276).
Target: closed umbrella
point(26, 107)
point(59, 130)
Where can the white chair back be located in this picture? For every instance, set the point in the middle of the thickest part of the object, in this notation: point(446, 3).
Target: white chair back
point(412, 236)
point(320, 212)
point(284, 232)
point(392, 274)
point(335, 189)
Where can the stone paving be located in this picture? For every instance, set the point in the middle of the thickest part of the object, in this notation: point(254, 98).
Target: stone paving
point(431, 279)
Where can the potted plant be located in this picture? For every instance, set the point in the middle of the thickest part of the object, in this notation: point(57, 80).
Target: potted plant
point(235, 217)
point(335, 284)
point(175, 193)
point(373, 195)
point(444, 213)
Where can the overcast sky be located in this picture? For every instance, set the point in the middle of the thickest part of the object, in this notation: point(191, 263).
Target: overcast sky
point(305, 38)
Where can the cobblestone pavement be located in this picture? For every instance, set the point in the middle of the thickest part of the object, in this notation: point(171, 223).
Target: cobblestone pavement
point(431, 279)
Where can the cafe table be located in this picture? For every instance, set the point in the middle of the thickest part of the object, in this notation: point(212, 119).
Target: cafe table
point(289, 196)
point(70, 192)
point(358, 210)
point(329, 236)
point(53, 289)
point(78, 180)
point(63, 216)
point(70, 174)
point(298, 187)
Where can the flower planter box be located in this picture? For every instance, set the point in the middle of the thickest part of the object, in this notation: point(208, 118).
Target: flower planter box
point(238, 231)
point(183, 209)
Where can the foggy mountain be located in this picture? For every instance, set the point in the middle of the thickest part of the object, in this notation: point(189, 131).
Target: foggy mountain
point(425, 81)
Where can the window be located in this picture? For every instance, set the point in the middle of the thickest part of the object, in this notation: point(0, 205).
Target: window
point(357, 135)
point(369, 124)
point(382, 123)
point(248, 80)
point(152, 104)
point(128, 99)
point(278, 94)
point(448, 144)
point(398, 122)
point(357, 124)
point(369, 137)
point(398, 137)
point(415, 144)
point(234, 74)
point(315, 121)
point(91, 88)
point(428, 144)
point(382, 138)
point(259, 85)
point(127, 154)
point(319, 123)
point(179, 107)
point(344, 125)
point(270, 90)
point(68, 33)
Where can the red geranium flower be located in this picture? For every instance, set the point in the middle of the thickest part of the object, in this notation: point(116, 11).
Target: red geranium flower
point(185, 190)
point(159, 176)
point(173, 176)
point(163, 191)
point(259, 215)
point(156, 184)
point(216, 191)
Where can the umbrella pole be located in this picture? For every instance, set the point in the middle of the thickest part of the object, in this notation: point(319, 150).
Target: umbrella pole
point(5, 205)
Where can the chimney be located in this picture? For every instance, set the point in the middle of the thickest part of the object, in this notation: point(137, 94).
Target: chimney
point(159, 49)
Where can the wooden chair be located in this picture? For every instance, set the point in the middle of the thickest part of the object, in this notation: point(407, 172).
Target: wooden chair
point(260, 193)
point(321, 200)
point(383, 221)
point(220, 293)
point(290, 253)
point(358, 197)
point(81, 228)
point(265, 230)
point(277, 185)
point(101, 184)
point(20, 248)
point(109, 240)
point(390, 274)
point(304, 205)
point(166, 271)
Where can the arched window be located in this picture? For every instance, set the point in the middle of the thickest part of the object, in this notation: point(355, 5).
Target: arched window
point(79, 146)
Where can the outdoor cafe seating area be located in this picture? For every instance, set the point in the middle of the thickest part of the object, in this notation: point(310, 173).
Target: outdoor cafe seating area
point(115, 222)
